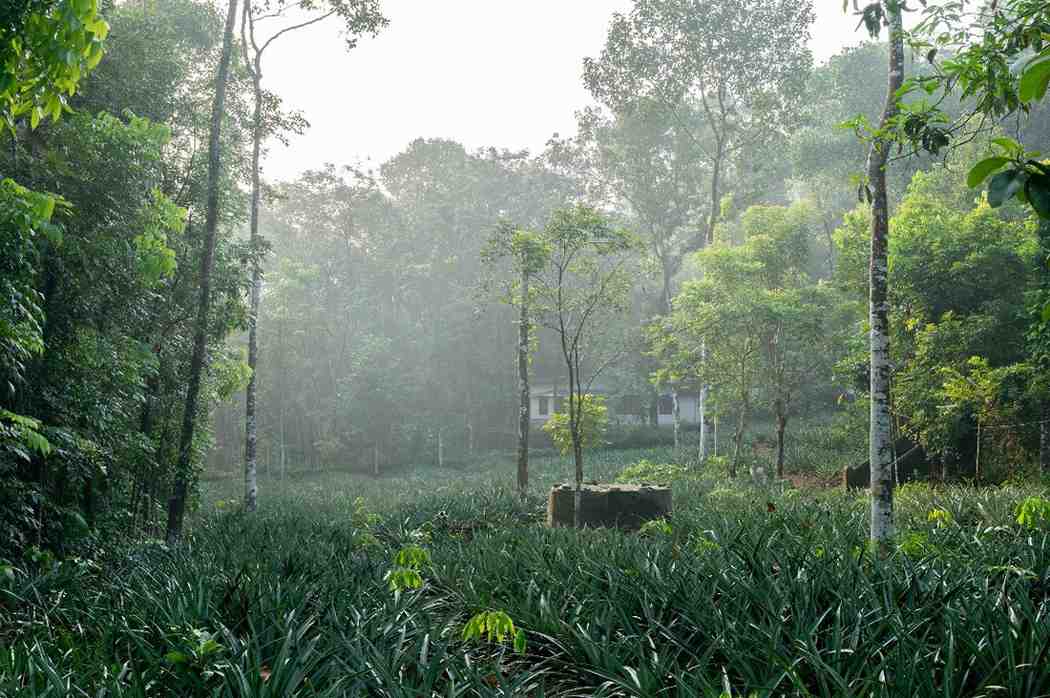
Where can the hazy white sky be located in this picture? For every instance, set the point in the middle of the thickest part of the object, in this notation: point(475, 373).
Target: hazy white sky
point(503, 73)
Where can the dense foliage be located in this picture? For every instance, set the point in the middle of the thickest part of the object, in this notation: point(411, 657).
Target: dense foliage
point(102, 282)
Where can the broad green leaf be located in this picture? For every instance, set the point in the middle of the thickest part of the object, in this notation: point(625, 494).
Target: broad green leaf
point(1009, 145)
point(95, 58)
point(36, 442)
point(1004, 185)
point(1038, 192)
point(979, 172)
point(1046, 313)
point(1034, 81)
point(176, 657)
point(44, 207)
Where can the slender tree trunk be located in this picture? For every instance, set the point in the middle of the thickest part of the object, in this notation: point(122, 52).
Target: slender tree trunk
point(676, 419)
point(977, 457)
point(829, 236)
point(177, 503)
point(738, 440)
point(1043, 231)
point(714, 441)
point(676, 416)
point(781, 426)
point(251, 434)
point(701, 435)
point(701, 408)
point(1044, 440)
point(881, 442)
point(281, 432)
point(574, 424)
point(525, 406)
point(716, 191)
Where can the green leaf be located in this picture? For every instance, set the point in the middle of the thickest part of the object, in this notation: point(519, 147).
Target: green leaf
point(37, 442)
point(1045, 169)
point(176, 657)
point(1034, 81)
point(519, 641)
point(1046, 313)
point(95, 58)
point(979, 172)
point(1009, 146)
point(1004, 185)
point(44, 207)
point(1038, 192)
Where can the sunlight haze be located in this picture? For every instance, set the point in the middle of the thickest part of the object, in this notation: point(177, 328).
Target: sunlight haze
point(481, 72)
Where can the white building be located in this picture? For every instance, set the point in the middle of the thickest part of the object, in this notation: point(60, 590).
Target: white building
point(632, 409)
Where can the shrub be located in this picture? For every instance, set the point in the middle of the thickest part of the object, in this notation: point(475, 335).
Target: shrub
point(1033, 512)
point(594, 420)
point(647, 472)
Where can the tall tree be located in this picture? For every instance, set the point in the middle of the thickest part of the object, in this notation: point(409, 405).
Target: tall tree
point(740, 65)
point(766, 321)
point(526, 254)
point(583, 284)
point(876, 15)
point(198, 362)
point(361, 16)
point(715, 334)
point(725, 76)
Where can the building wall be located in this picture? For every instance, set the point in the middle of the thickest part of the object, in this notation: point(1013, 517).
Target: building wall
point(688, 410)
point(688, 406)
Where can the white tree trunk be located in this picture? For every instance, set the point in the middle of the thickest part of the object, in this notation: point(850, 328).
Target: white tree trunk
point(251, 438)
point(714, 444)
point(1044, 441)
point(702, 406)
point(881, 437)
point(525, 395)
point(676, 419)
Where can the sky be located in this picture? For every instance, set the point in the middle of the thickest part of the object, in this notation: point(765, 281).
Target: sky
point(501, 73)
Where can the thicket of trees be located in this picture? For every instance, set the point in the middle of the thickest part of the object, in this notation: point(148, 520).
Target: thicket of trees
point(363, 299)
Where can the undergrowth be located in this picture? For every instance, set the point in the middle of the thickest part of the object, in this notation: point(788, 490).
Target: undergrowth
point(742, 590)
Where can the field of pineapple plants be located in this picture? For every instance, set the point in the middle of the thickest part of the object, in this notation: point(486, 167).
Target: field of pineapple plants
point(444, 584)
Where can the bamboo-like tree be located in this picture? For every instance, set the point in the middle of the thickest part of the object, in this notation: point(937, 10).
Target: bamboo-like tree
point(361, 17)
point(199, 360)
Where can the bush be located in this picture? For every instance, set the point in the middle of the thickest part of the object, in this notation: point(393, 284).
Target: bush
point(639, 436)
point(646, 472)
point(594, 420)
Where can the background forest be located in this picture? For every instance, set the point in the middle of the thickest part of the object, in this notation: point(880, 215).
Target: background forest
point(383, 342)
point(689, 273)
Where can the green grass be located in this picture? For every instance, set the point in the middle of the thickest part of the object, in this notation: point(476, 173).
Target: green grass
point(757, 591)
